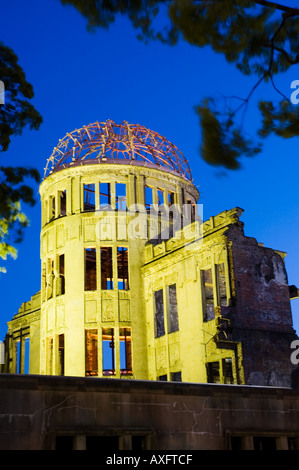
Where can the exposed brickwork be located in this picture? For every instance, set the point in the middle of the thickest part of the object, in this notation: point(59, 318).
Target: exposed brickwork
point(261, 315)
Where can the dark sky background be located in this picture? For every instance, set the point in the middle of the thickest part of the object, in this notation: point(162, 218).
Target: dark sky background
point(81, 77)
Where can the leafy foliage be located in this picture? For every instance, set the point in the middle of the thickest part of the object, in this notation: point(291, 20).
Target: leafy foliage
point(15, 114)
point(13, 190)
point(222, 142)
point(281, 119)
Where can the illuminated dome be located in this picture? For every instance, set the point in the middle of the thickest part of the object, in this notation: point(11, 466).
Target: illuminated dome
point(103, 142)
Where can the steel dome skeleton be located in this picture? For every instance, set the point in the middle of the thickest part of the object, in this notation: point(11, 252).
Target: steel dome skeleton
point(102, 141)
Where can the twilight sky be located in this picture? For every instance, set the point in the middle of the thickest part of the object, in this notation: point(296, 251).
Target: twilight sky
point(81, 77)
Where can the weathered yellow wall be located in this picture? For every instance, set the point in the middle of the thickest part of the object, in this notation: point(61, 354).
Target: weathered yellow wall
point(181, 261)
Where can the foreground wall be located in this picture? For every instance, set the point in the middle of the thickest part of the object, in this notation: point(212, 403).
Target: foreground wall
point(47, 412)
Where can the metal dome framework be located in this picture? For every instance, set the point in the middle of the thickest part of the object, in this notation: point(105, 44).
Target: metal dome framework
point(103, 141)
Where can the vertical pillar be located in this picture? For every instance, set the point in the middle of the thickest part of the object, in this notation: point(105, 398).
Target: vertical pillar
point(79, 443)
point(125, 442)
point(140, 190)
point(76, 194)
point(247, 443)
point(131, 191)
point(69, 208)
point(282, 443)
point(22, 354)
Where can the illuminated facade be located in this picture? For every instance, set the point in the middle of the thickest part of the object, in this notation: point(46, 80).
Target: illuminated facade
point(134, 285)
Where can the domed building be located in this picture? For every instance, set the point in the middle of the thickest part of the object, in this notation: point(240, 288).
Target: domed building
point(135, 285)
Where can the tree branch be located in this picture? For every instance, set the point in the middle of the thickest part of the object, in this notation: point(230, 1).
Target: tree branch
point(277, 6)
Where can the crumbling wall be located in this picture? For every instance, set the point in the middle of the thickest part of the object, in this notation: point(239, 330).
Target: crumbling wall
point(261, 316)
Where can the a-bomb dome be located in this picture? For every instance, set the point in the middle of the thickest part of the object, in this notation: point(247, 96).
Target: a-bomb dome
point(103, 142)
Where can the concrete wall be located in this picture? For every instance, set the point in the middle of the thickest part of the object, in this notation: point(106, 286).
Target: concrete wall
point(44, 412)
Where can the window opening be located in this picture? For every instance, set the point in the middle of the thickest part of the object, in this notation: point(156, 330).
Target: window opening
point(108, 348)
point(293, 443)
point(60, 358)
point(19, 347)
point(170, 198)
point(64, 442)
point(27, 355)
point(109, 443)
point(138, 442)
point(208, 307)
point(227, 370)
point(264, 443)
point(91, 352)
point(160, 195)
point(190, 210)
point(90, 269)
point(176, 376)
point(120, 197)
point(106, 268)
point(122, 268)
point(236, 442)
point(159, 314)
point(61, 289)
point(162, 378)
point(105, 195)
point(213, 372)
point(221, 284)
point(148, 197)
point(52, 207)
point(50, 278)
point(183, 195)
point(89, 197)
point(125, 351)
point(63, 202)
point(173, 321)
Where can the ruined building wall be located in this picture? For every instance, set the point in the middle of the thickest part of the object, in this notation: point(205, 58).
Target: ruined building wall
point(195, 263)
point(261, 317)
point(233, 304)
point(22, 342)
point(207, 305)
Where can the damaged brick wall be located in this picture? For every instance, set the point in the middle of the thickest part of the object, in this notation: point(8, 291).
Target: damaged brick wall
point(261, 314)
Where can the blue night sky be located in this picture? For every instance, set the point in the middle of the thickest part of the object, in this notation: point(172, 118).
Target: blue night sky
point(81, 77)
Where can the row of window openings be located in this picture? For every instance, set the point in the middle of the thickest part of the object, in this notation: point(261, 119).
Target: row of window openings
point(263, 442)
point(220, 372)
point(208, 303)
point(152, 196)
point(174, 377)
point(166, 198)
point(139, 442)
point(109, 443)
point(91, 353)
point(90, 262)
